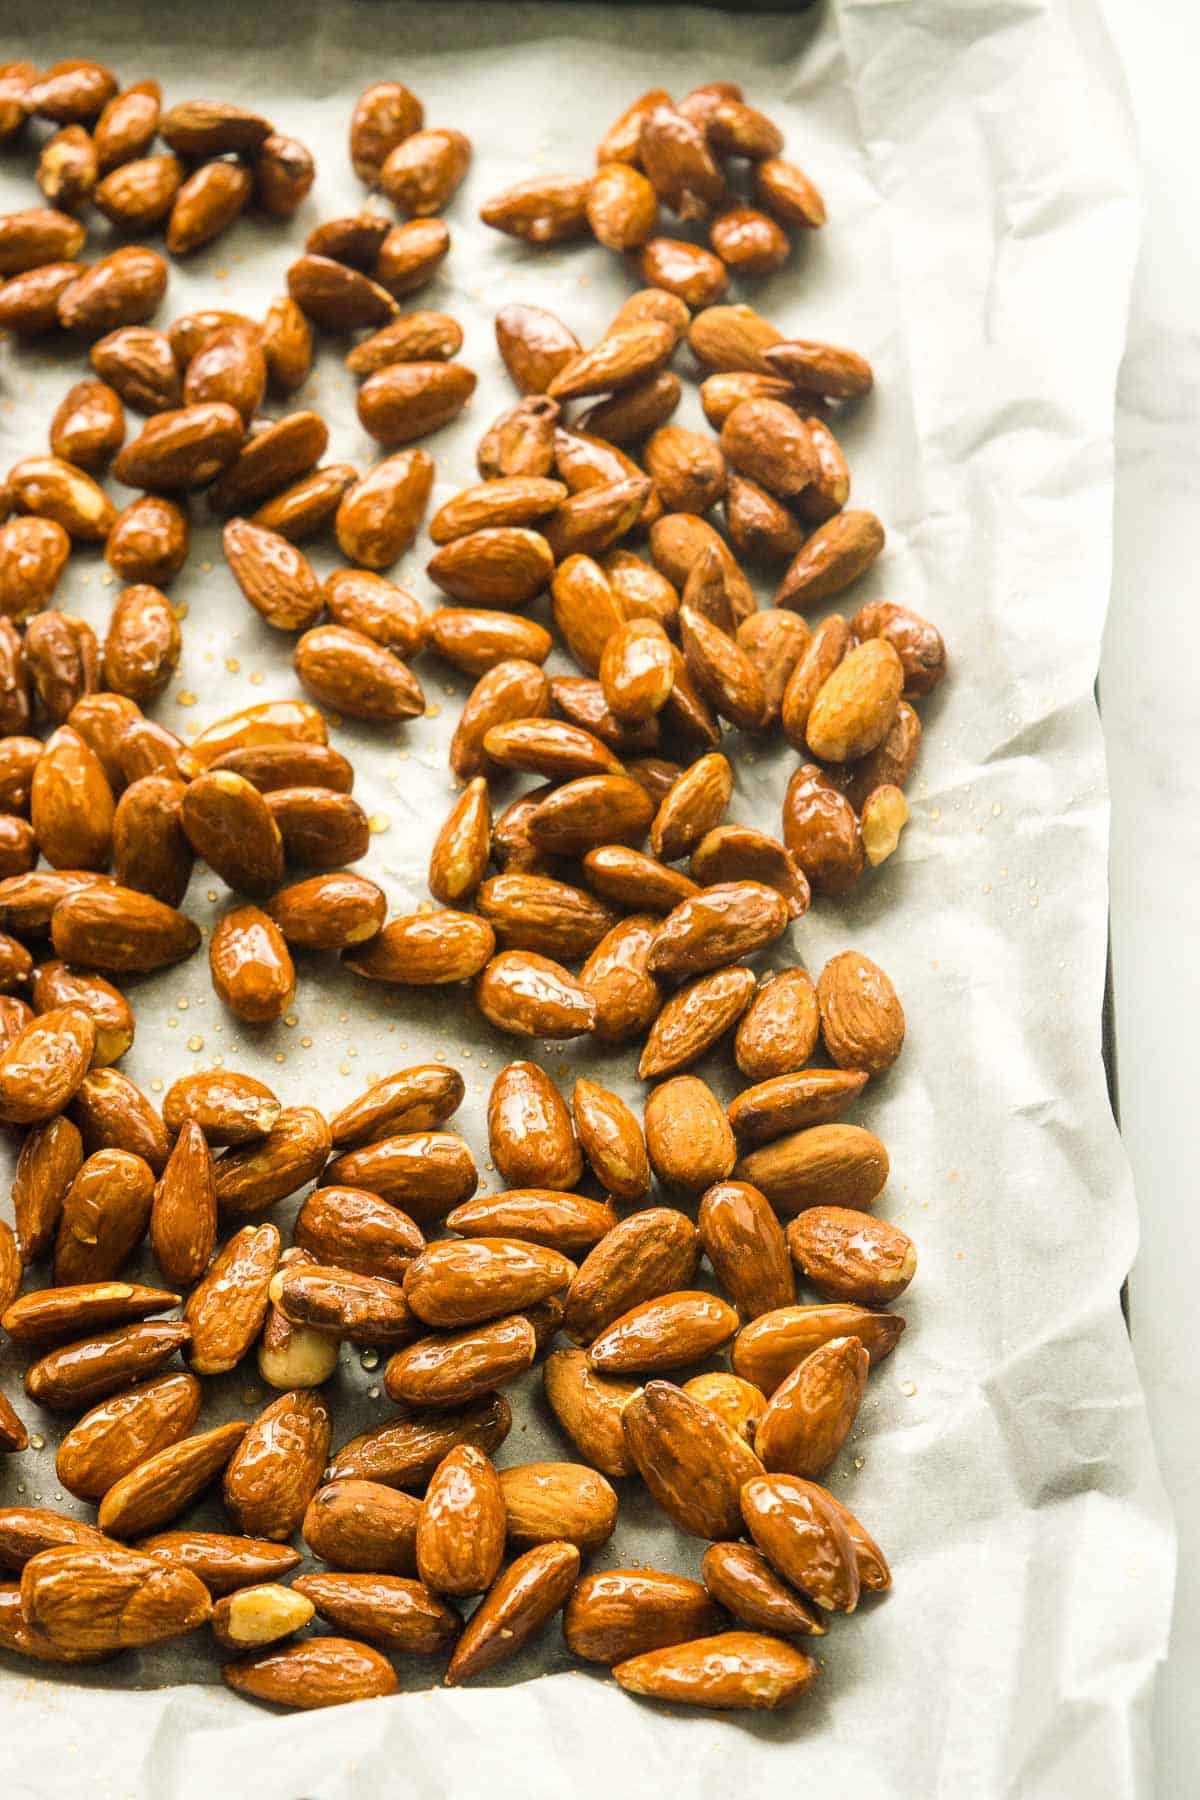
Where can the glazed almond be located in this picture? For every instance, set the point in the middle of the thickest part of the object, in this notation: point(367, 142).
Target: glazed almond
point(778, 1032)
point(742, 853)
point(799, 1530)
point(611, 1140)
point(664, 1333)
point(53, 1314)
point(252, 1176)
point(650, 1253)
point(812, 1412)
point(460, 1531)
point(350, 672)
point(550, 1500)
point(425, 949)
point(252, 970)
point(693, 1019)
point(465, 1282)
point(845, 1256)
point(530, 996)
point(165, 1483)
point(49, 1160)
point(425, 1172)
point(277, 580)
point(414, 1099)
point(588, 1406)
point(98, 1598)
point(792, 1102)
point(316, 1672)
point(771, 1346)
point(530, 1134)
point(119, 1433)
point(744, 1242)
point(694, 1464)
point(225, 1311)
point(862, 1021)
point(740, 1578)
point(406, 1451)
point(455, 1368)
point(835, 1165)
point(367, 1309)
point(687, 1135)
point(276, 1468)
point(622, 1613)
point(835, 556)
point(44, 1066)
point(229, 1107)
point(736, 1670)
point(821, 830)
point(183, 1219)
point(397, 1614)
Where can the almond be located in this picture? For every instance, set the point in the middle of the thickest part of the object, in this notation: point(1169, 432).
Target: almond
point(837, 1165)
point(549, 209)
point(533, 346)
point(29, 301)
point(123, 288)
point(862, 1021)
point(836, 554)
point(716, 927)
point(502, 565)
point(209, 201)
point(749, 242)
point(549, 747)
point(813, 1410)
point(791, 1102)
point(547, 1501)
point(693, 1019)
point(414, 337)
point(693, 1463)
point(113, 1113)
point(744, 1242)
point(71, 804)
point(650, 1254)
point(822, 832)
point(49, 1160)
point(622, 1613)
point(178, 451)
point(356, 1231)
point(664, 1333)
point(164, 1484)
point(35, 236)
point(251, 967)
point(397, 1614)
point(788, 193)
point(637, 670)
point(294, 1356)
point(277, 580)
point(414, 1099)
point(521, 441)
point(722, 671)
point(695, 803)
point(143, 644)
point(104, 1217)
point(317, 1672)
point(121, 1432)
point(457, 1283)
point(148, 541)
point(425, 1172)
point(44, 1066)
point(761, 528)
point(586, 611)
point(337, 298)
point(798, 1529)
point(276, 1468)
point(404, 401)
point(229, 1107)
point(425, 950)
point(139, 195)
point(367, 1309)
point(230, 825)
point(626, 997)
point(140, 364)
point(874, 1574)
point(735, 338)
point(460, 1531)
point(378, 517)
point(629, 416)
point(270, 460)
point(221, 1561)
point(854, 709)
point(253, 1176)
point(825, 371)
point(363, 1526)
point(918, 644)
point(284, 172)
point(740, 853)
point(319, 827)
point(591, 810)
point(594, 517)
point(420, 173)
point(531, 996)
point(619, 360)
point(588, 1406)
point(33, 554)
point(524, 1597)
point(845, 1256)
point(229, 366)
point(62, 659)
point(406, 1451)
point(28, 1640)
point(52, 1314)
point(259, 1615)
point(226, 1309)
point(528, 910)
point(183, 1222)
point(27, 1530)
point(622, 141)
point(88, 427)
point(631, 878)
point(622, 207)
point(475, 640)
point(102, 1598)
point(735, 1670)
point(455, 1368)
point(350, 672)
point(740, 1578)
point(530, 1135)
point(384, 115)
point(611, 1140)
point(675, 155)
point(378, 608)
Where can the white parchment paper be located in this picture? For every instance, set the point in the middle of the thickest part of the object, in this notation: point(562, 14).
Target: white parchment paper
point(977, 162)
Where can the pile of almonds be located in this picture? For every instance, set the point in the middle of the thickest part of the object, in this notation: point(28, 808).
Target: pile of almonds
point(589, 925)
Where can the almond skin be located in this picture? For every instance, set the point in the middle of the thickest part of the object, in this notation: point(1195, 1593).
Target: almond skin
point(229, 1107)
point(695, 804)
point(426, 950)
point(744, 1242)
point(252, 970)
point(425, 1172)
point(812, 1412)
point(317, 1672)
point(588, 1407)
point(622, 1613)
point(694, 1464)
point(800, 1532)
point(165, 1483)
point(650, 1253)
point(415, 1099)
point(737, 1670)
point(531, 996)
point(821, 831)
point(276, 1469)
point(835, 556)
point(567, 1223)
point(836, 1165)
point(460, 1532)
point(846, 1256)
point(862, 1021)
point(665, 1333)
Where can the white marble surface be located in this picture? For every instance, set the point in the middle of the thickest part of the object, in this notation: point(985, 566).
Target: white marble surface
point(1151, 706)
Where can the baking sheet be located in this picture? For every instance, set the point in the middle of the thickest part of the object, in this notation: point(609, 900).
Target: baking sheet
point(977, 162)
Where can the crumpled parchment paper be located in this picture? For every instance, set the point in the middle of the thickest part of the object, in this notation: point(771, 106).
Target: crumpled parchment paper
point(977, 161)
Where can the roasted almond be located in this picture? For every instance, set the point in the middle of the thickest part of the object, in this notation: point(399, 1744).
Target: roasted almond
point(183, 1220)
point(465, 1282)
point(392, 1611)
point(649, 1254)
point(835, 1165)
point(619, 360)
point(588, 1406)
point(414, 1099)
point(329, 912)
point(88, 427)
point(547, 1501)
point(103, 1598)
point(744, 1242)
point(425, 1172)
point(534, 910)
point(350, 672)
point(276, 1468)
point(259, 1615)
point(426, 950)
point(862, 1020)
point(530, 1134)
point(148, 541)
point(320, 828)
point(226, 1309)
point(798, 1529)
point(165, 1483)
point(694, 805)
point(692, 274)
point(338, 298)
point(123, 288)
point(741, 853)
point(406, 1451)
point(622, 1613)
point(530, 996)
point(854, 709)
point(316, 1672)
point(722, 671)
point(43, 1067)
point(740, 1578)
point(821, 831)
point(460, 1531)
point(178, 451)
point(693, 1463)
point(367, 1309)
point(791, 1102)
point(378, 516)
point(737, 1670)
point(413, 337)
point(545, 210)
point(476, 639)
point(716, 927)
point(384, 115)
point(455, 1368)
point(749, 242)
point(250, 964)
point(53, 1314)
point(836, 554)
point(845, 1256)
point(121, 1432)
point(33, 554)
point(273, 722)
point(253, 1176)
point(275, 577)
point(521, 440)
point(693, 1019)
point(611, 1140)
point(222, 1561)
point(811, 1413)
point(71, 804)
